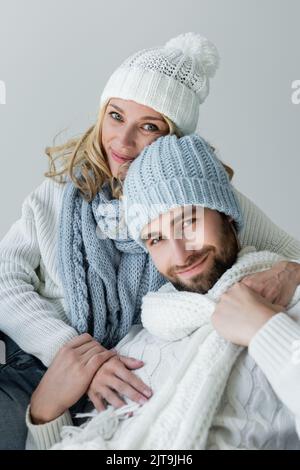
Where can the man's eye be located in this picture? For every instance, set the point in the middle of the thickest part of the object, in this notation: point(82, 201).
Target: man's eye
point(186, 223)
point(115, 116)
point(156, 240)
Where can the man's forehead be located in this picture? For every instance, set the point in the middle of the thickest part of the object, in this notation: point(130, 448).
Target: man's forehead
point(174, 215)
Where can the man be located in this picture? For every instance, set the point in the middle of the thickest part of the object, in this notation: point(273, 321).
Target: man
point(209, 392)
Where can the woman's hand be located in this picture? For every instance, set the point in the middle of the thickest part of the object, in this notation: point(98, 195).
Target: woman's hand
point(240, 313)
point(115, 378)
point(68, 378)
point(278, 284)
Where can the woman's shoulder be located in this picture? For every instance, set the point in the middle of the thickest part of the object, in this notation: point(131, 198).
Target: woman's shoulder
point(47, 196)
point(250, 211)
point(243, 200)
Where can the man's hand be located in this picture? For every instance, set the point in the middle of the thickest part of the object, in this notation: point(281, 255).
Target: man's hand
point(240, 313)
point(115, 378)
point(68, 378)
point(278, 284)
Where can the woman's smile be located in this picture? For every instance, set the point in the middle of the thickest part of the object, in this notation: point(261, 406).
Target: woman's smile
point(119, 158)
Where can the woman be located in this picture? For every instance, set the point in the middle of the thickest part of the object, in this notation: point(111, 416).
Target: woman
point(96, 285)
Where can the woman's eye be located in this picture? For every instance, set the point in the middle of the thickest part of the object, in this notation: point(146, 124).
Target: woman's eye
point(115, 116)
point(151, 127)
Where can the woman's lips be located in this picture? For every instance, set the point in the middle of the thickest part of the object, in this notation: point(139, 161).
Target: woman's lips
point(194, 269)
point(120, 158)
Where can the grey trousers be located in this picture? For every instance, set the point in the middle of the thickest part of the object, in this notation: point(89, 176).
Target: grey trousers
point(19, 377)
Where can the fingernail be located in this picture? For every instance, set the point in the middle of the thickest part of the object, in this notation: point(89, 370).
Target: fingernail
point(148, 393)
point(142, 401)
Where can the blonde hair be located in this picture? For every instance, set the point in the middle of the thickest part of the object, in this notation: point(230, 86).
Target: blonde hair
point(83, 161)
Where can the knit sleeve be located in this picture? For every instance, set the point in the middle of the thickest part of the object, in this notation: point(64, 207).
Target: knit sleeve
point(44, 436)
point(276, 350)
point(261, 232)
point(35, 322)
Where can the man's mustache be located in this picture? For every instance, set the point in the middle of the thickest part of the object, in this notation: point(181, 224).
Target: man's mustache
point(192, 259)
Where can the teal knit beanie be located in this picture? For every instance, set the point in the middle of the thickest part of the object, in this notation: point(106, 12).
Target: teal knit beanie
point(174, 172)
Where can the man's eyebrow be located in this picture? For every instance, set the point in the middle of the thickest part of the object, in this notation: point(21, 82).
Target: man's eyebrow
point(151, 235)
point(152, 118)
point(184, 215)
point(179, 218)
point(159, 234)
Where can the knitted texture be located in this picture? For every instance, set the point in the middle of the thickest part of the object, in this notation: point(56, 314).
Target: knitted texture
point(180, 413)
point(173, 79)
point(32, 310)
point(176, 172)
point(104, 279)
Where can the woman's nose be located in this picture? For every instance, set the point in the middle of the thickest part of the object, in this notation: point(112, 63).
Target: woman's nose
point(127, 138)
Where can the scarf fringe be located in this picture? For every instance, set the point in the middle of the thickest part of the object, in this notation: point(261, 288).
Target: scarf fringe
point(95, 433)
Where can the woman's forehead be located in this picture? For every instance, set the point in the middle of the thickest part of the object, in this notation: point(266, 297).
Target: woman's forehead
point(132, 106)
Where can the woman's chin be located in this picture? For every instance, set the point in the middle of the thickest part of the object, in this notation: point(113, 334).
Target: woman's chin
point(122, 172)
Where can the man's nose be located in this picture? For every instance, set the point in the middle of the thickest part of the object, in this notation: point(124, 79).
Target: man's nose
point(179, 252)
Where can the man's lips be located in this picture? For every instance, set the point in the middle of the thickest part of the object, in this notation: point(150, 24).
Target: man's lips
point(120, 158)
point(194, 268)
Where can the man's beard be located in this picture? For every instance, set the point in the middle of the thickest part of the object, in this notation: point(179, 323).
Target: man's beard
point(222, 261)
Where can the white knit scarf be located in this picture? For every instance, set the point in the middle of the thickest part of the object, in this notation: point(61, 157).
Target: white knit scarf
point(180, 414)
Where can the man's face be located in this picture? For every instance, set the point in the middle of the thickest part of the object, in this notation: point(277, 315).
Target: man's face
point(191, 246)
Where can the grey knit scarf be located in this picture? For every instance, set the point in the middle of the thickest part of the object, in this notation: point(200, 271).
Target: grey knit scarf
point(104, 273)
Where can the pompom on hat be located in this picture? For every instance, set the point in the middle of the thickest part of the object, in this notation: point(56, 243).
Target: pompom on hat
point(173, 79)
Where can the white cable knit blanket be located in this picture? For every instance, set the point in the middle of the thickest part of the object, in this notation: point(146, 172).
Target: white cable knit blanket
point(180, 413)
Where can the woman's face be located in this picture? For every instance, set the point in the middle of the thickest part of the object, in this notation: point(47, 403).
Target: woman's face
point(128, 127)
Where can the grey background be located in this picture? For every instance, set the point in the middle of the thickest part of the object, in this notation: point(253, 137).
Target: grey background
point(56, 56)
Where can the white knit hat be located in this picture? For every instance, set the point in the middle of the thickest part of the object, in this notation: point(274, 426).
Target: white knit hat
point(173, 79)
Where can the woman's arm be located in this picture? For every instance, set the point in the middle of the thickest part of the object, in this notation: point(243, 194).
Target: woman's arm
point(44, 436)
point(277, 284)
point(36, 323)
point(272, 337)
point(261, 232)
point(64, 383)
point(69, 378)
point(276, 350)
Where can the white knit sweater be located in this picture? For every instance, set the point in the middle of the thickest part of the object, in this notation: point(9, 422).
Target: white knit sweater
point(32, 310)
point(260, 407)
point(189, 381)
